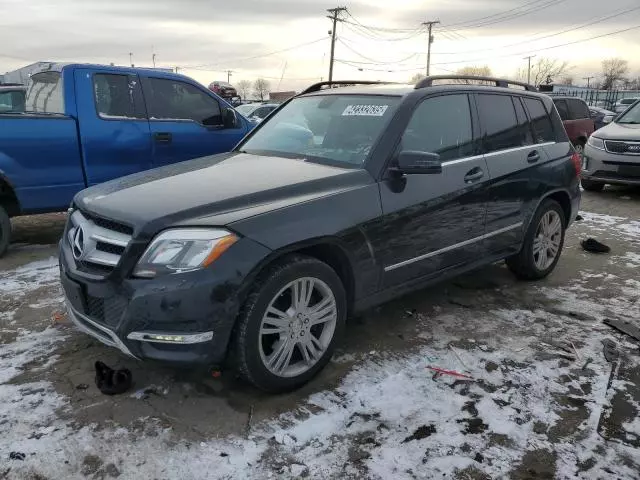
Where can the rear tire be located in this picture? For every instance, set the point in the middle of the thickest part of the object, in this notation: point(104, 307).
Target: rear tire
point(270, 322)
point(5, 231)
point(543, 243)
point(591, 186)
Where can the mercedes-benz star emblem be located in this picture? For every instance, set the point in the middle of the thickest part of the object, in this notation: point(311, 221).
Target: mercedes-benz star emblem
point(78, 244)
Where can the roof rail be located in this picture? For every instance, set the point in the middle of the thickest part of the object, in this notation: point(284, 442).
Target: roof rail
point(316, 87)
point(499, 82)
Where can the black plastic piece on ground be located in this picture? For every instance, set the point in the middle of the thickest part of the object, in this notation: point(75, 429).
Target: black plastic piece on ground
point(594, 246)
point(112, 382)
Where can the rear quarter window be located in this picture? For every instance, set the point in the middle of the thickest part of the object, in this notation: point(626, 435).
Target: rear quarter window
point(578, 109)
point(45, 94)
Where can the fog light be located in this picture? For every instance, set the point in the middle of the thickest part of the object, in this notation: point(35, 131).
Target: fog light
point(168, 338)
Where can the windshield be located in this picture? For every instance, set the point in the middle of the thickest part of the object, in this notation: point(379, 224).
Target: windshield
point(631, 116)
point(245, 109)
point(335, 129)
point(12, 101)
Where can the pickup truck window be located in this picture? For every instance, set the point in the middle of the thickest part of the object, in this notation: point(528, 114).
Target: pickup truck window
point(334, 129)
point(118, 96)
point(11, 101)
point(175, 100)
point(45, 94)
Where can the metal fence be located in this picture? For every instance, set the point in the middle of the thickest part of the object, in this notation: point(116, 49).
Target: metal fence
point(598, 98)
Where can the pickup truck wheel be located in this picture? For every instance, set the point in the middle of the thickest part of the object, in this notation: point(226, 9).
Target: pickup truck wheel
point(5, 231)
point(591, 186)
point(289, 325)
point(543, 243)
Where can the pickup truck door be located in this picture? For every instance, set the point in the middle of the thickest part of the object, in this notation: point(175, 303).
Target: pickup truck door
point(187, 121)
point(114, 130)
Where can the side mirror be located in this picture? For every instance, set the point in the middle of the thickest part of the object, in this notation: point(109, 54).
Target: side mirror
point(414, 162)
point(230, 119)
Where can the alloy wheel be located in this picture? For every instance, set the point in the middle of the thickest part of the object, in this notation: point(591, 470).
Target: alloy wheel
point(546, 245)
point(298, 327)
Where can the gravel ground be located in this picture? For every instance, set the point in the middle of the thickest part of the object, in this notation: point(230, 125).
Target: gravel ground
point(543, 401)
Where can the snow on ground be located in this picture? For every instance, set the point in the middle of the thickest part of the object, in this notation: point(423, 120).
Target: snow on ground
point(390, 417)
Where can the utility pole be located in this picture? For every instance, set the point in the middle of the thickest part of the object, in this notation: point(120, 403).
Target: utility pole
point(588, 79)
point(229, 75)
point(131, 59)
point(153, 59)
point(429, 25)
point(335, 13)
point(529, 68)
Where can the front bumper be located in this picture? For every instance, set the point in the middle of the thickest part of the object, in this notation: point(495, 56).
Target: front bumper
point(182, 319)
point(612, 168)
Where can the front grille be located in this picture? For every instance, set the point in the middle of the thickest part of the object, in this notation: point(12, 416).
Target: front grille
point(621, 147)
point(97, 243)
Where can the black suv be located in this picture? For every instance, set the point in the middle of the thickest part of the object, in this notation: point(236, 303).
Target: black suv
point(346, 196)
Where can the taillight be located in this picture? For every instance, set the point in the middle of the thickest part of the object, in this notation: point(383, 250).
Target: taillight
point(577, 162)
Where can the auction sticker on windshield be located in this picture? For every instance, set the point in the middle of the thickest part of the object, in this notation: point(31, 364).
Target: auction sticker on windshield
point(365, 110)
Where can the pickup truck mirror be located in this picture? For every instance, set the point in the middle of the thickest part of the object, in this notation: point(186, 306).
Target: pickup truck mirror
point(410, 161)
point(230, 119)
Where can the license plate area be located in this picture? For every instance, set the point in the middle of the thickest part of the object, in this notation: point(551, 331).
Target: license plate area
point(629, 170)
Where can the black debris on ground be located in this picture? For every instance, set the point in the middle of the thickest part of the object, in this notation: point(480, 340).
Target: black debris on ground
point(594, 246)
point(110, 381)
point(421, 432)
point(17, 456)
point(625, 327)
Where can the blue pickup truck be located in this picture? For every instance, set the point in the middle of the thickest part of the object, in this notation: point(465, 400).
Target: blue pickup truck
point(86, 124)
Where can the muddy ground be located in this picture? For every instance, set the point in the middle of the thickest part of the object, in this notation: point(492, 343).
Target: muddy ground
point(533, 410)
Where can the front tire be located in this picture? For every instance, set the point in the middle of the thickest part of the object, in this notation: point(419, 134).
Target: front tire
point(591, 186)
point(289, 325)
point(542, 244)
point(5, 231)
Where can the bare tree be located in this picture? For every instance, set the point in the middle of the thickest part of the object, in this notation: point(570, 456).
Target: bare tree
point(261, 88)
point(544, 70)
point(416, 78)
point(475, 71)
point(613, 70)
point(567, 80)
point(244, 87)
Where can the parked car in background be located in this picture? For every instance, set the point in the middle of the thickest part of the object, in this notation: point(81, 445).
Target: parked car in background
point(624, 103)
point(612, 154)
point(256, 111)
point(86, 124)
point(601, 116)
point(341, 199)
point(576, 119)
point(12, 98)
point(226, 91)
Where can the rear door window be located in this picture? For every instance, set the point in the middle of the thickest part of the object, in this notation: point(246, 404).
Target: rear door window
point(441, 125)
point(118, 97)
point(540, 121)
point(563, 109)
point(500, 126)
point(578, 109)
point(175, 100)
point(45, 94)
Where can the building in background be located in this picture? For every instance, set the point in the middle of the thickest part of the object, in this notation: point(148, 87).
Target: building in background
point(22, 75)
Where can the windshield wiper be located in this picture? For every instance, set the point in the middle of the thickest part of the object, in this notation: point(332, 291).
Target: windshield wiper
point(632, 122)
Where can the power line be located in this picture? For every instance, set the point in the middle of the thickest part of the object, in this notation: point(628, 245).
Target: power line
point(373, 61)
point(541, 49)
point(195, 67)
point(521, 11)
point(529, 40)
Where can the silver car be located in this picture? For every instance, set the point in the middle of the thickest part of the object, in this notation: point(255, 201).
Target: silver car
point(612, 153)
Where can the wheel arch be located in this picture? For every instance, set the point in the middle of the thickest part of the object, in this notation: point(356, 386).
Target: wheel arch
point(8, 198)
point(560, 196)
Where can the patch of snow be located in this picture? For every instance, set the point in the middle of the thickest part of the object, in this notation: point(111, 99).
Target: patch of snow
point(29, 277)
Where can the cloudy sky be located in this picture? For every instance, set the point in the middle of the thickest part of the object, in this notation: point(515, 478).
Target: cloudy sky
point(289, 39)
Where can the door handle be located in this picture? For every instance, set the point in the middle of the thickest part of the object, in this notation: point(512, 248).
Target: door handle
point(473, 175)
point(162, 137)
point(533, 157)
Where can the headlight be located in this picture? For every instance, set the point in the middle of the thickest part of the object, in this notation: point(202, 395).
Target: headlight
point(596, 142)
point(183, 250)
point(608, 118)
